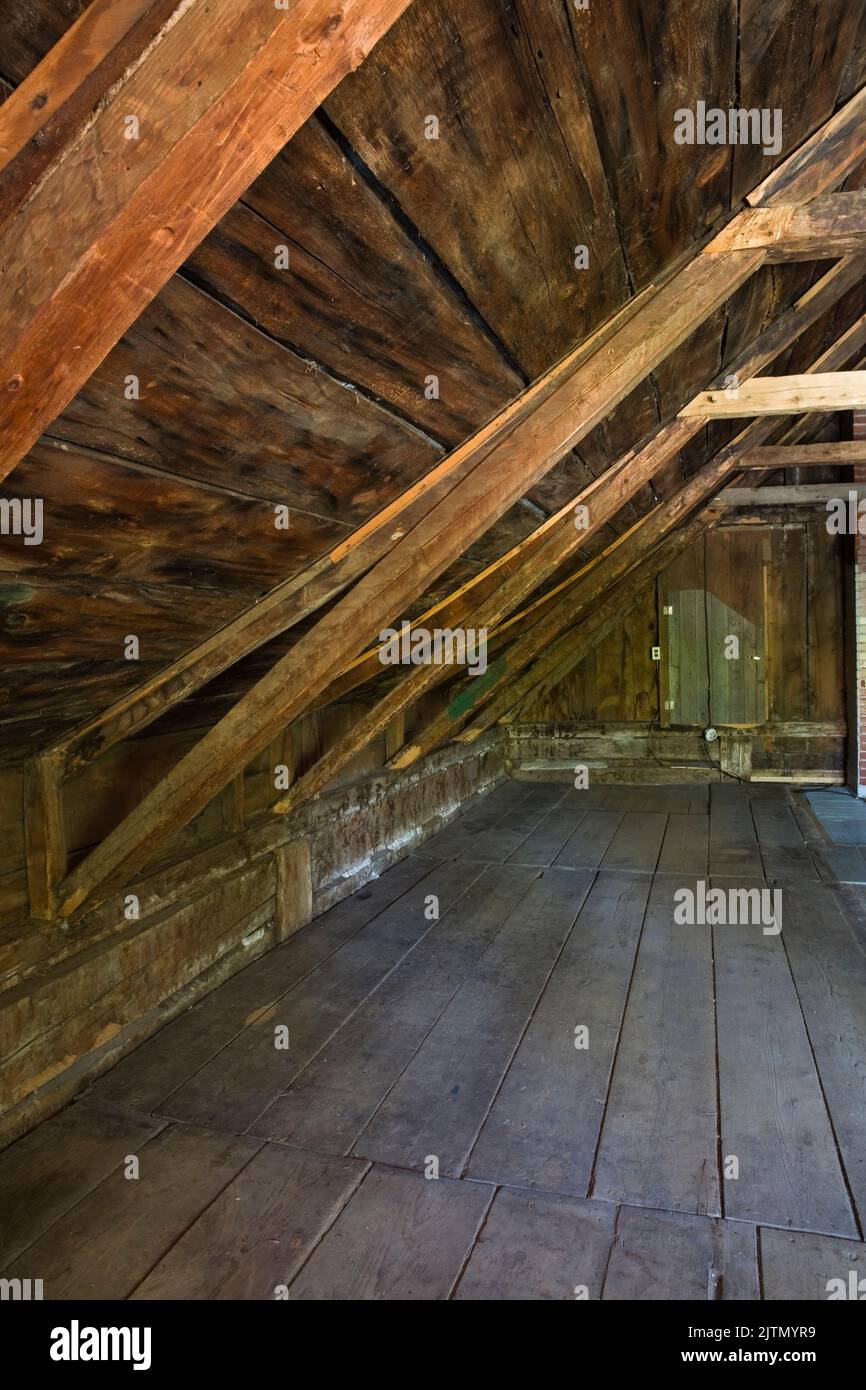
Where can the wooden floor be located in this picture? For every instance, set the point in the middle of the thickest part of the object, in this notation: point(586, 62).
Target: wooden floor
point(709, 1142)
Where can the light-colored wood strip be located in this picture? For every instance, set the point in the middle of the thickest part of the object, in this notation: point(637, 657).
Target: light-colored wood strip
point(826, 228)
point(772, 456)
point(782, 395)
point(801, 494)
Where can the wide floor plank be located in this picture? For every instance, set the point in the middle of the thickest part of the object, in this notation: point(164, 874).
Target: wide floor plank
point(160, 1066)
point(536, 1247)
point(441, 1100)
point(241, 1080)
point(113, 1237)
point(796, 1265)
point(49, 1170)
point(658, 1143)
point(636, 844)
point(661, 1256)
point(829, 969)
point(586, 848)
point(401, 1236)
point(253, 1239)
point(333, 1099)
point(685, 849)
point(543, 1127)
point(774, 1123)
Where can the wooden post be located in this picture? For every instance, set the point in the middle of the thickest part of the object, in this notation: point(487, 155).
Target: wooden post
point(294, 888)
point(395, 734)
point(735, 753)
point(45, 833)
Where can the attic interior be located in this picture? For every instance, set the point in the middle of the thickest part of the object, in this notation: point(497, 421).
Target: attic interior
point(525, 963)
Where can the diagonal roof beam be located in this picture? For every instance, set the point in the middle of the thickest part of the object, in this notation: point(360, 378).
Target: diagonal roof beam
point(498, 474)
point(158, 117)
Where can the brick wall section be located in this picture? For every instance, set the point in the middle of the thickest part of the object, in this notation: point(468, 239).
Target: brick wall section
point(857, 703)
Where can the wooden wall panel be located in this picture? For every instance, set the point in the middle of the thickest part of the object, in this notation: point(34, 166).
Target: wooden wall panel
point(785, 581)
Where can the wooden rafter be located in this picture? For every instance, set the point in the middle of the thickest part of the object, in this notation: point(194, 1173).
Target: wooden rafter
point(324, 580)
point(503, 471)
point(822, 230)
point(782, 395)
point(842, 452)
point(83, 256)
point(799, 494)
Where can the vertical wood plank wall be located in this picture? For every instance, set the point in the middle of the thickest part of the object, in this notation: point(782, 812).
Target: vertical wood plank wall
point(788, 579)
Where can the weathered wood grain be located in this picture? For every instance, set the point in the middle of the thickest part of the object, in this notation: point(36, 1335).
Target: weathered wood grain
point(533, 1248)
point(358, 295)
point(200, 146)
point(333, 1099)
point(438, 1105)
point(773, 1115)
point(400, 1237)
point(240, 1081)
point(44, 1175)
point(254, 1237)
point(543, 1127)
point(658, 1140)
point(164, 1062)
point(112, 1238)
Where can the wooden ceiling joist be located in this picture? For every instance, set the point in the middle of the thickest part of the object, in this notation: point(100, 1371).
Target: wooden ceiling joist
point(782, 395)
point(841, 452)
point(178, 107)
point(799, 494)
point(831, 226)
point(499, 467)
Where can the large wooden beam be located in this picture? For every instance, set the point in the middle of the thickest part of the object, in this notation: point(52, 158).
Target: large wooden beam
point(152, 159)
point(822, 230)
point(319, 583)
point(782, 395)
point(799, 494)
point(833, 453)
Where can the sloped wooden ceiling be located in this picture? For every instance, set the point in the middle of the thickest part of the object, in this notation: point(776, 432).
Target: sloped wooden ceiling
point(409, 258)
